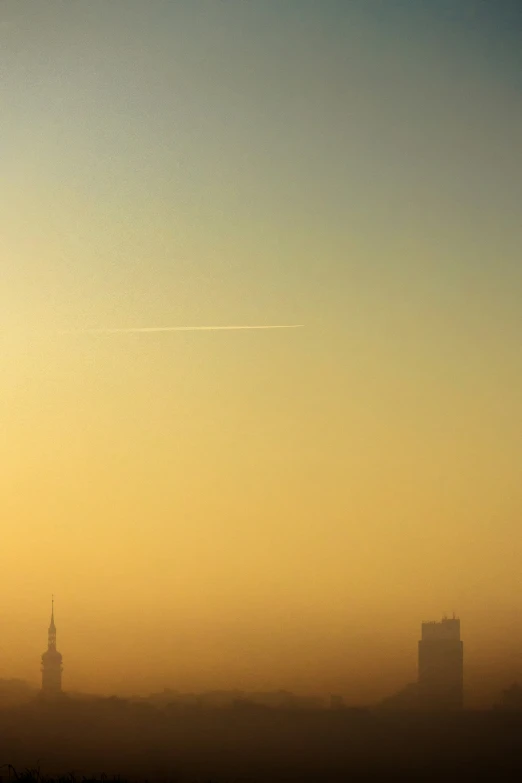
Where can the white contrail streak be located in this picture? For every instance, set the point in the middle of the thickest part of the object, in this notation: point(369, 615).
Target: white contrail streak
point(149, 329)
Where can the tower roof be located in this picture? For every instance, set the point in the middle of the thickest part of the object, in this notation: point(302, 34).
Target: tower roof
point(52, 626)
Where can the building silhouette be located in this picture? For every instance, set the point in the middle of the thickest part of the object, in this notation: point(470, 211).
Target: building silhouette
point(51, 662)
point(440, 684)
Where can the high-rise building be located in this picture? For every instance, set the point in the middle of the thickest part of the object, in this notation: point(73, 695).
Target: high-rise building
point(51, 662)
point(441, 665)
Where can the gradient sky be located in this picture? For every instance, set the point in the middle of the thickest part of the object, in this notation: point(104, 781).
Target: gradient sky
point(260, 509)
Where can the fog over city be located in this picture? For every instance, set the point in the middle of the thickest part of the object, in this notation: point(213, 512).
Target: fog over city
point(260, 334)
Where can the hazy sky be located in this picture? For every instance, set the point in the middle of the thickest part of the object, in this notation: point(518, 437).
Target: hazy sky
point(260, 508)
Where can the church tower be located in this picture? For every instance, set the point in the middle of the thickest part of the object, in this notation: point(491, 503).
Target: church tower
point(51, 662)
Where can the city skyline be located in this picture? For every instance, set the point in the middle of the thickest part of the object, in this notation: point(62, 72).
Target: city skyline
point(438, 684)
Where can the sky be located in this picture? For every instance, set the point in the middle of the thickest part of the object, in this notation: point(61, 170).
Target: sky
point(260, 509)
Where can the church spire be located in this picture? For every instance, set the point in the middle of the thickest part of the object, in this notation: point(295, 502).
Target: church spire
point(51, 661)
point(51, 634)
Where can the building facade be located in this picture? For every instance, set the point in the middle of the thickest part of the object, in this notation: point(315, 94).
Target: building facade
point(441, 665)
point(51, 663)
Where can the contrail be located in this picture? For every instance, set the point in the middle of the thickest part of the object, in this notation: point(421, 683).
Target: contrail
point(149, 329)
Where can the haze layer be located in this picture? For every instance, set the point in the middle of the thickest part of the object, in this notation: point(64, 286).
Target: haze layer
point(259, 509)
